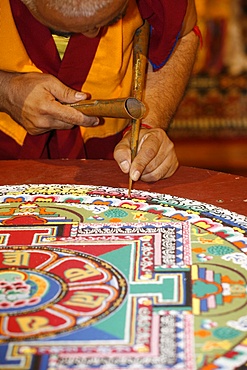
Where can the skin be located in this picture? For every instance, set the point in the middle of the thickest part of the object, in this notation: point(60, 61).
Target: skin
point(37, 108)
point(89, 26)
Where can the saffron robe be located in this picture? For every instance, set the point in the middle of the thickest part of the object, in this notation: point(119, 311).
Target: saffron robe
point(101, 66)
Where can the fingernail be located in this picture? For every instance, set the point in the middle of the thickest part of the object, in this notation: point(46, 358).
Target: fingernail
point(124, 166)
point(136, 175)
point(80, 95)
point(95, 123)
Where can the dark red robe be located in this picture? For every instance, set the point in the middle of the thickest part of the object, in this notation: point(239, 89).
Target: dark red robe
point(165, 18)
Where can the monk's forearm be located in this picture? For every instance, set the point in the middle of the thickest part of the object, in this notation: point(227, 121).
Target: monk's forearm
point(5, 78)
point(165, 88)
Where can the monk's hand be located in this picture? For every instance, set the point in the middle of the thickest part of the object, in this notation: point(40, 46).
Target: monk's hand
point(156, 158)
point(34, 101)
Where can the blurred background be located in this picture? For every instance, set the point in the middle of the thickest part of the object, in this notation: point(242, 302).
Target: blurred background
point(210, 127)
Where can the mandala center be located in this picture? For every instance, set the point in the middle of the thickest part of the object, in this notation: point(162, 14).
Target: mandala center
point(64, 291)
point(27, 290)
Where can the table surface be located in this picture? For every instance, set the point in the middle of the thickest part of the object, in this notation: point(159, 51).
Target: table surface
point(220, 189)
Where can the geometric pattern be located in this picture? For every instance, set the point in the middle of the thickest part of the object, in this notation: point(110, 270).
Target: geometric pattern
point(91, 279)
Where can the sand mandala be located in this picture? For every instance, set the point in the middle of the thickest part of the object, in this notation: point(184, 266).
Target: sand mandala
point(91, 279)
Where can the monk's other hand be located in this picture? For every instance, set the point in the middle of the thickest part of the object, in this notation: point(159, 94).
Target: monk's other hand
point(156, 158)
point(34, 101)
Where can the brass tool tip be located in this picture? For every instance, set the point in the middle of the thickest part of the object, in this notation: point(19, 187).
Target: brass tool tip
point(130, 187)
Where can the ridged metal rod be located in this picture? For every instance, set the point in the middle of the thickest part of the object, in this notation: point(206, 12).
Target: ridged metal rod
point(138, 83)
point(116, 108)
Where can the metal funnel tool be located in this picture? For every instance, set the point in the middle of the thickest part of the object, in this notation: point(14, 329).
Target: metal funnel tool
point(118, 108)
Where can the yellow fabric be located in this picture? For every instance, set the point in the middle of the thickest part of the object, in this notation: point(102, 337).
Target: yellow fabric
point(113, 62)
point(13, 57)
point(61, 44)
